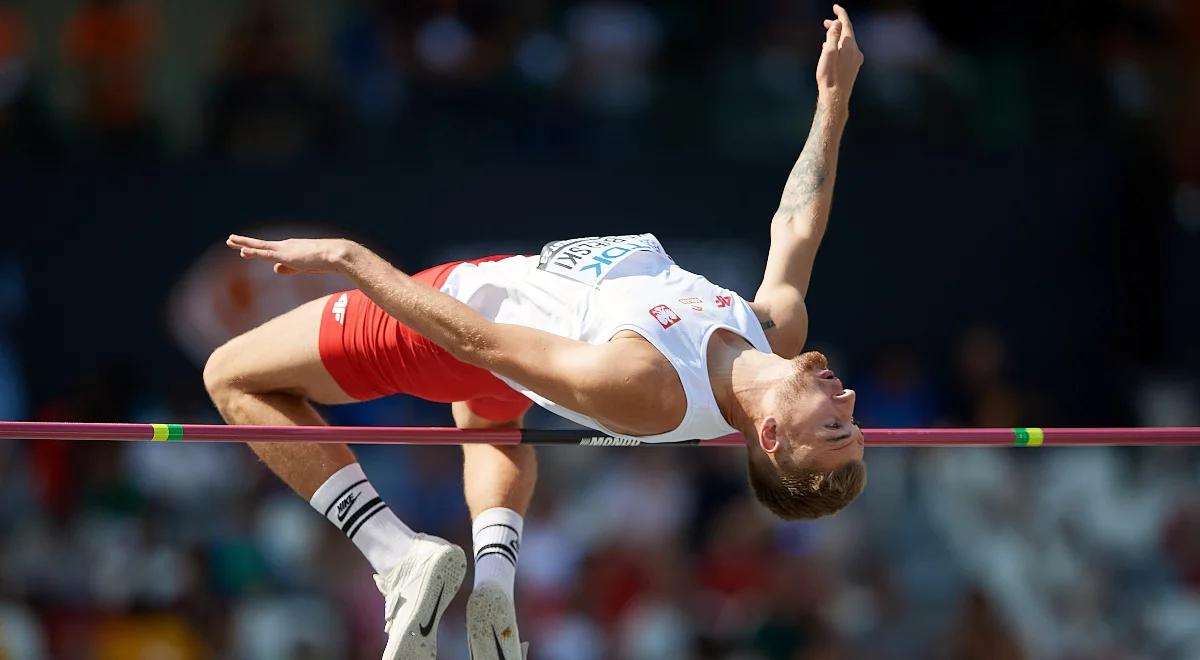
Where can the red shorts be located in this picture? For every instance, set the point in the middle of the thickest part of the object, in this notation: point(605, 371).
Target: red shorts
point(371, 355)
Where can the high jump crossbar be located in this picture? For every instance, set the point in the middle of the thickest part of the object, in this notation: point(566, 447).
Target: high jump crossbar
point(983, 437)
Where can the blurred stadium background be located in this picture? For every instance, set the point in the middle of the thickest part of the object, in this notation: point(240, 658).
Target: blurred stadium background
point(1016, 241)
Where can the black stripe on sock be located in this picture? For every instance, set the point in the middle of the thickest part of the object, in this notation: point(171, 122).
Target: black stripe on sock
point(509, 552)
point(367, 517)
point(514, 529)
point(358, 514)
point(343, 494)
point(494, 552)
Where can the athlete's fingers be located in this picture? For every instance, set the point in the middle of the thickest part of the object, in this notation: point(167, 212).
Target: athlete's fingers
point(832, 35)
point(256, 253)
point(235, 240)
point(285, 270)
point(828, 23)
point(844, 19)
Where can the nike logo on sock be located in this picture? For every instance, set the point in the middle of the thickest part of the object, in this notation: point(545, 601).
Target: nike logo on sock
point(343, 507)
point(433, 615)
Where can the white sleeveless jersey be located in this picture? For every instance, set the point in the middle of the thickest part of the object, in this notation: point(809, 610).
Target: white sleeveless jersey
point(592, 288)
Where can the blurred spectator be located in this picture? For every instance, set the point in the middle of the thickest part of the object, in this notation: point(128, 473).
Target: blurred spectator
point(988, 398)
point(542, 57)
point(552, 558)
point(15, 46)
point(110, 45)
point(294, 628)
point(658, 622)
point(1181, 542)
point(790, 621)
point(655, 630)
point(367, 61)
point(159, 636)
point(572, 637)
point(444, 45)
point(13, 404)
point(646, 500)
point(22, 123)
point(265, 105)
point(1168, 400)
point(980, 634)
point(898, 37)
point(615, 45)
point(906, 58)
point(732, 573)
point(897, 393)
point(20, 633)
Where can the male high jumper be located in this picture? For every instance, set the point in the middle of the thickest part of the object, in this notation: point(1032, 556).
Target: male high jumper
point(606, 331)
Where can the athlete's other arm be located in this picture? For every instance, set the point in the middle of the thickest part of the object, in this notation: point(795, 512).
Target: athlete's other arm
point(602, 381)
point(799, 224)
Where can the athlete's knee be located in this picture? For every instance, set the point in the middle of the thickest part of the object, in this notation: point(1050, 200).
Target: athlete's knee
point(221, 373)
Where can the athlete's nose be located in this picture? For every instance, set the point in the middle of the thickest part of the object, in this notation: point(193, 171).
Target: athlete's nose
point(846, 399)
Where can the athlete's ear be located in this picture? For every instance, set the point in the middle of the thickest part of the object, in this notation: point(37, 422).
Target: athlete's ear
point(768, 435)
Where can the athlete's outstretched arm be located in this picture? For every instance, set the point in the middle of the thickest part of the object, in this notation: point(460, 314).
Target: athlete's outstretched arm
point(584, 377)
point(799, 224)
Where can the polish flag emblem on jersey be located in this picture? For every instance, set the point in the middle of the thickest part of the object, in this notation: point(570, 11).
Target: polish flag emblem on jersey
point(664, 315)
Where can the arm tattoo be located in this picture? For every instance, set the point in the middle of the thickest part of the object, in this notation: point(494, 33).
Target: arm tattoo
point(810, 172)
point(767, 324)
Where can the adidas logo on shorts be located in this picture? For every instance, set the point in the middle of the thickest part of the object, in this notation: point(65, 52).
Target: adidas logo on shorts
point(339, 309)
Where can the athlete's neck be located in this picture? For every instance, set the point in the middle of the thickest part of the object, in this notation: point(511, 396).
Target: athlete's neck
point(741, 376)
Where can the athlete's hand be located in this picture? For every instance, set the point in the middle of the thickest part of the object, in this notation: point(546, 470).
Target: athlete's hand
point(295, 255)
point(840, 58)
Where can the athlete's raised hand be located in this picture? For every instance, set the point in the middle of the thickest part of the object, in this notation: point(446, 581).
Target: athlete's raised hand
point(840, 58)
point(295, 255)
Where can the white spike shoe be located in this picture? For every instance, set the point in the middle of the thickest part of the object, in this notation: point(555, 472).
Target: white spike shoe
point(492, 625)
point(416, 593)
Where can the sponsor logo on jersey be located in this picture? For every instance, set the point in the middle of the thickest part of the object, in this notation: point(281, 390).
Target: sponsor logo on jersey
point(664, 315)
point(339, 309)
point(589, 259)
point(608, 441)
point(724, 301)
point(694, 303)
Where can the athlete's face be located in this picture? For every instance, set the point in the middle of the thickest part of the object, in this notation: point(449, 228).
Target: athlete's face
point(815, 416)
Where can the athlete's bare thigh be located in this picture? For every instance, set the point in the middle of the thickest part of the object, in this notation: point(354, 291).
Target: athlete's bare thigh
point(281, 355)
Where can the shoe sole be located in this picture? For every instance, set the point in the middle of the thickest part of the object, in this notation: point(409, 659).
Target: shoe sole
point(448, 570)
point(492, 625)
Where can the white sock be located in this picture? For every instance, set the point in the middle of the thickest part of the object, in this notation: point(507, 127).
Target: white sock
point(349, 501)
point(497, 536)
